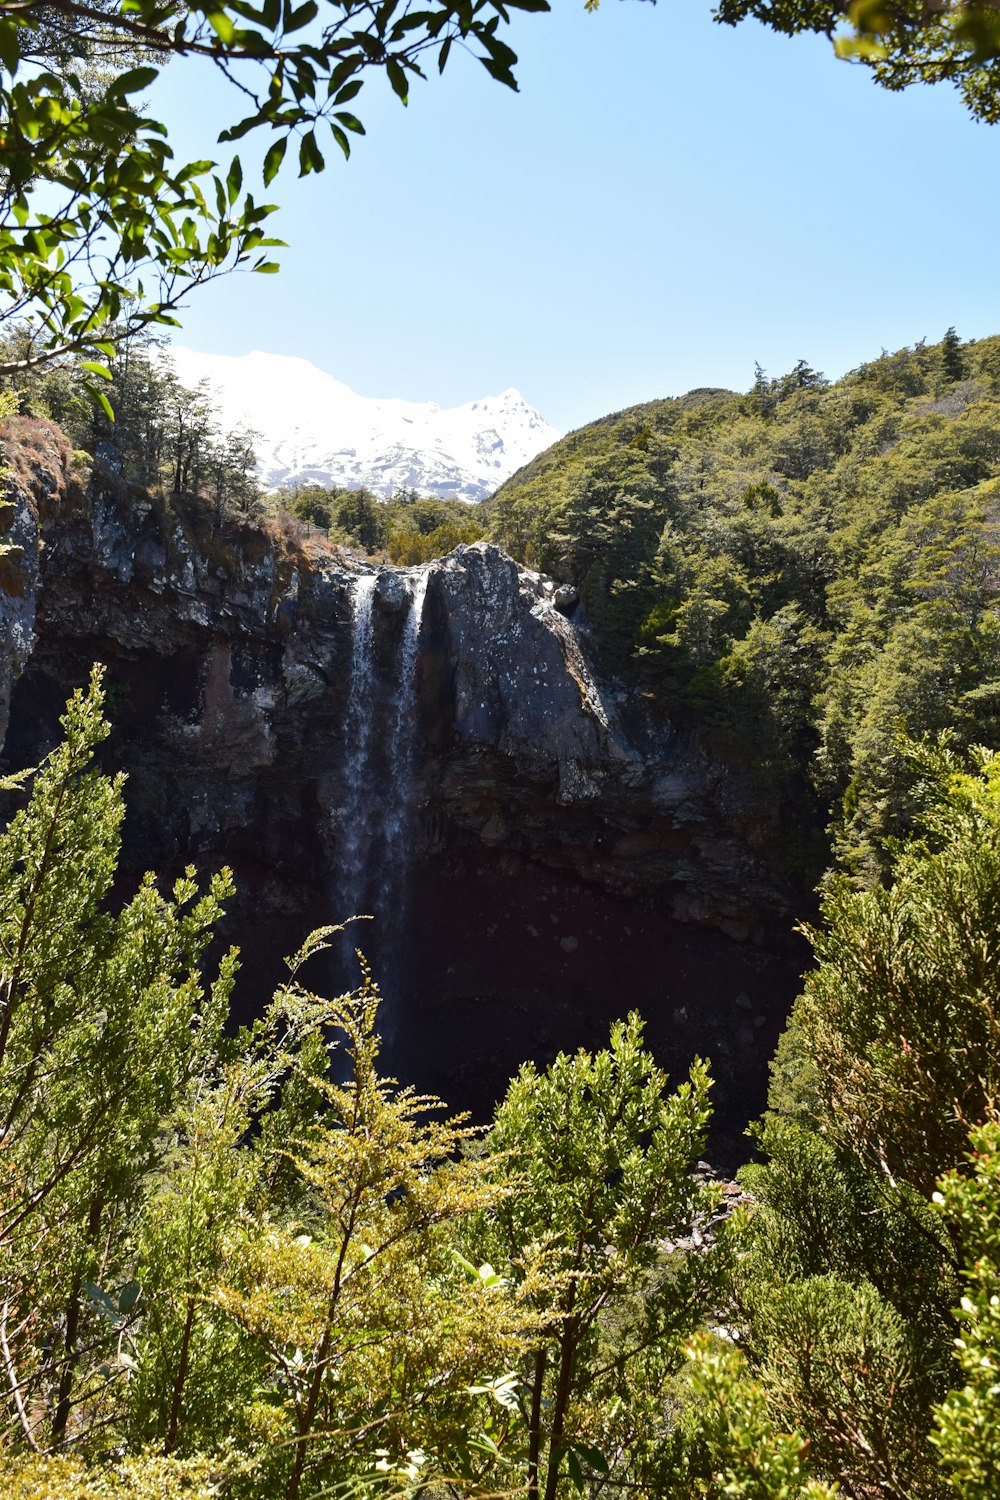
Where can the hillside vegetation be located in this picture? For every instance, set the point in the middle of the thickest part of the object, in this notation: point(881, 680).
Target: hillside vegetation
point(803, 571)
point(245, 1264)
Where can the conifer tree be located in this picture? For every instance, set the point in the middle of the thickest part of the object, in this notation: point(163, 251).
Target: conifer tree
point(952, 363)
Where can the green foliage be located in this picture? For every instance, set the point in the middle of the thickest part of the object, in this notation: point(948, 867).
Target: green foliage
point(157, 433)
point(900, 44)
point(407, 529)
point(729, 1447)
point(102, 1025)
point(846, 1276)
point(802, 572)
point(359, 1303)
point(98, 224)
point(601, 1154)
point(899, 1017)
point(842, 1297)
point(224, 1258)
point(249, 1264)
point(136, 1477)
point(252, 1265)
point(967, 1434)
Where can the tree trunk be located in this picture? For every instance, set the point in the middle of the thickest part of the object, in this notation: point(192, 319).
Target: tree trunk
point(535, 1424)
point(567, 1355)
point(174, 1420)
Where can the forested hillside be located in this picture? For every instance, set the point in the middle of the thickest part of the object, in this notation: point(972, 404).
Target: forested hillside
point(804, 570)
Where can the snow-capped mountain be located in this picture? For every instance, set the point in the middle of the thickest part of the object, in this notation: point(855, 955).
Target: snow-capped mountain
point(314, 428)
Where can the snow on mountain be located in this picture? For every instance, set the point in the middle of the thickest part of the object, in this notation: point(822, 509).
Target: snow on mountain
point(314, 428)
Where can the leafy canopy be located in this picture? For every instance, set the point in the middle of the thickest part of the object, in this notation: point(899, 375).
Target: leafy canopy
point(900, 41)
point(98, 223)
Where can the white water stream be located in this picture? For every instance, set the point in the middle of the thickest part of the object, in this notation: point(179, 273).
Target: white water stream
point(378, 804)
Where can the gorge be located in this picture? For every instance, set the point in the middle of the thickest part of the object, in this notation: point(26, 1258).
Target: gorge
point(435, 747)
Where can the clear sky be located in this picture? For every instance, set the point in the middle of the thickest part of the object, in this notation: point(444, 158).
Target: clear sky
point(664, 202)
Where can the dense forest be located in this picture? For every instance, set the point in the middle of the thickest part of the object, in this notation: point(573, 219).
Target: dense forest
point(246, 1263)
point(805, 571)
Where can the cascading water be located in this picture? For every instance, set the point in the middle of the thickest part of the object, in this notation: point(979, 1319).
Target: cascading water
point(398, 808)
point(353, 841)
point(379, 769)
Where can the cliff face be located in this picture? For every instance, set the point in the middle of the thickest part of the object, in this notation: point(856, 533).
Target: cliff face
point(539, 857)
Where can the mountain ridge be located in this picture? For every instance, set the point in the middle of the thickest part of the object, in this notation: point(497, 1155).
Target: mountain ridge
point(312, 428)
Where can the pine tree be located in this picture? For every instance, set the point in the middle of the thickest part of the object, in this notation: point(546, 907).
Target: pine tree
point(952, 360)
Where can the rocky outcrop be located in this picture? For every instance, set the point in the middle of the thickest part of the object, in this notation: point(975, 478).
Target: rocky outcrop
point(567, 859)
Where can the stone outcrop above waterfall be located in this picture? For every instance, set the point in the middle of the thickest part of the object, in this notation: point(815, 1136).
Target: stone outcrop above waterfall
point(543, 802)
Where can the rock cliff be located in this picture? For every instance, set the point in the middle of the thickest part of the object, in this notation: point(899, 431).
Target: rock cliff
point(565, 859)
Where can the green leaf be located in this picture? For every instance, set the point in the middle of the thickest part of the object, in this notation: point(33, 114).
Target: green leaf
point(310, 156)
point(100, 1299)
point(594, 1457)
point(575, 1471)
point(98, 396)
point(870, 16)
point(10, 51)
point(234, 180)
point(133, 82)
point(348, 92)
point(859, 46)
point(398, 80)
point(96, 369)
point(274, 157)
point(222, 25)
point(296, 19)
point(978, 29)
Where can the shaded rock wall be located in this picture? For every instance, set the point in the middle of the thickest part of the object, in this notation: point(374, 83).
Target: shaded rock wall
point(568, 861)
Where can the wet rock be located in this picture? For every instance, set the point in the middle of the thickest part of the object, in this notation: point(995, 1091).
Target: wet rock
point(390, 592)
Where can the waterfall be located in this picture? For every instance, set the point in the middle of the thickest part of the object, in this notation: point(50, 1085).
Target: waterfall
point(378, 804)
point(353, 843)
point(397, 824)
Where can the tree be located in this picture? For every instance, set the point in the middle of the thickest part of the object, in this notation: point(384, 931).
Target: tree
point(602, 1154)
point(899, 1017)
point(847, 1277)
point(375, 1337)
point(98, 225)
point(967, 1432)
point(952, 363)
point(103, 1022)
point(901, 43)
point(729, 1448)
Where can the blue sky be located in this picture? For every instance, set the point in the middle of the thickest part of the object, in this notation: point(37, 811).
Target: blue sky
point(664, 202)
